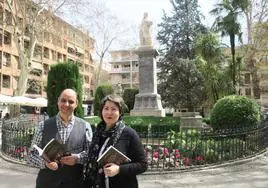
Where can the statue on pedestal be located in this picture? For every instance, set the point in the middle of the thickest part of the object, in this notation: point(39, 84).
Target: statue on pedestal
point(145, 34)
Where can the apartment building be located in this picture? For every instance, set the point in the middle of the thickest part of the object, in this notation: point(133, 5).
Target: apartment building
point(58, 42)
point(254, 76)
point(124, 69)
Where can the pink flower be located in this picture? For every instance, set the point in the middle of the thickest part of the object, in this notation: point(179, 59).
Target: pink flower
point(186, 161)
point(199, 158)
point(165, 152)
point(155, 154)
point(177, 154)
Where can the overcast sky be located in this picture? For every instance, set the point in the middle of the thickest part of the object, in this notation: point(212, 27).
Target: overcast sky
point(131, 11)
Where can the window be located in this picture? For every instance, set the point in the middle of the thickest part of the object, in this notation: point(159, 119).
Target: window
point(8, 18)
point(46, 68)
point(34, 87)
point(38, 52)
point(46, 52)
point(46, 36)
point(6, 81)
point(247, 78)
point(248, 92)
point(7, 38)
point(86, 79)
point(6, 60)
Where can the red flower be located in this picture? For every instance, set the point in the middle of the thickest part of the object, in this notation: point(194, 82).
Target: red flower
point(186, 161)
point(165, 152)
point(199, 158)
point(177, 154)
point(155, 154)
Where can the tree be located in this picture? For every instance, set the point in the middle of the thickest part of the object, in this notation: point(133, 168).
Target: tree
point(177, 32)
point(176, 36)
point(129, 97)
point(256, 18)
point(29, 19)
point(104, 27)
point(183, 87)
point(211, 64)
point(227, 23)
point(62, 76)
point(256, 11)
point(101, 92)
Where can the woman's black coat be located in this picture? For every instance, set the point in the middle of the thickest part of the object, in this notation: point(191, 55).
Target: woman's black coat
point(129, 143)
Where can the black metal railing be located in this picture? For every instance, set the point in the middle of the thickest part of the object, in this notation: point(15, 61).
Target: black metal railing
point(167, 148)
point(17, 134)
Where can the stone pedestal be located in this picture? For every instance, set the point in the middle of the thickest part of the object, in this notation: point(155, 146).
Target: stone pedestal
point(147, 102)
point(189, 120)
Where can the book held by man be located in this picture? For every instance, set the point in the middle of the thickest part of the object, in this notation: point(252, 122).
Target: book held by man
point(53, 151)
point(112, 155)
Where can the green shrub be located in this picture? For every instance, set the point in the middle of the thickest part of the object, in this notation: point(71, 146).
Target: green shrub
point(234, 112)
point(60, 77)
point(142, 124)
point(101, 92)
point(129, 97)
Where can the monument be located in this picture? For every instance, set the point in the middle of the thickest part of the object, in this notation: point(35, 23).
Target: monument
point(147, 101)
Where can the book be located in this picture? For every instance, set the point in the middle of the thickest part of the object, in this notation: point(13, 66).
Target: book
point(112, 155)
point(53, 151)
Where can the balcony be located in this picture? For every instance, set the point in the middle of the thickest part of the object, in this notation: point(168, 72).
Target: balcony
point(124, 70)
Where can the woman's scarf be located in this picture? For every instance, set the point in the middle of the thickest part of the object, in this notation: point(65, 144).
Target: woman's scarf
point(93, 172)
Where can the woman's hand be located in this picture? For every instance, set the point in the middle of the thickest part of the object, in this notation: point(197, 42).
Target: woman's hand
point(111, 169)
point(52, 165)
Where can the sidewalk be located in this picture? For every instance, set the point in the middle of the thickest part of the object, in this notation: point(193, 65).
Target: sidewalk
point(249, 173)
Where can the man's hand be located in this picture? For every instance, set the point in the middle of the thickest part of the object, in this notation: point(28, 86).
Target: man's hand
point(52, 165)
point(69, 160)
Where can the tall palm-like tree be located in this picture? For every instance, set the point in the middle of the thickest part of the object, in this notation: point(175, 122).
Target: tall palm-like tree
point(227, 23)
point(211, 62)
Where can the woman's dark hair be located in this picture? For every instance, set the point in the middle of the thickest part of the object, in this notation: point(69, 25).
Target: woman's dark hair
point(117, 100)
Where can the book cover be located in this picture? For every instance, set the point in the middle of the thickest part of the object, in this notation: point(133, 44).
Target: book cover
point(52, 151)
point(112, 155)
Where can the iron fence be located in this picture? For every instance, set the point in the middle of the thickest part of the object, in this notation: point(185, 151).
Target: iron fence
point(167, 148)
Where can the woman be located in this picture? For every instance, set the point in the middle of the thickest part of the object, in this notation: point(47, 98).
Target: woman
point(113, 131)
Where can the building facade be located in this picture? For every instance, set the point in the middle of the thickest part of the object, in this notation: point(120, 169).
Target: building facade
point(124, 69)
point(254, 76)
point(57, 41)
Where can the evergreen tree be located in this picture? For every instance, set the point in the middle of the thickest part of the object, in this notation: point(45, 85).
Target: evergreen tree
point(62, 76)
point(177, 37)
point(186, 90)
point(101, 92)
point(178, 31)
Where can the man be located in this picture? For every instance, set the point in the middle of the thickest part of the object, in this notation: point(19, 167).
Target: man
point(74, 133)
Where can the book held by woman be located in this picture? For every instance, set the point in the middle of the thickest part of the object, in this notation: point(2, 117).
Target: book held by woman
point(112, 155)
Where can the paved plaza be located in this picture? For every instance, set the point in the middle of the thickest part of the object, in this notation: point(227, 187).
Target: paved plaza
point(247, 174)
